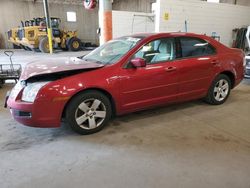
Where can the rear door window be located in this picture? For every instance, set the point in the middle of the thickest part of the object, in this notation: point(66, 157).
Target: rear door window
point(195, 47)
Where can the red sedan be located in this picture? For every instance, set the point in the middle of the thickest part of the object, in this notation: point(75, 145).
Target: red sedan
point(125, 75)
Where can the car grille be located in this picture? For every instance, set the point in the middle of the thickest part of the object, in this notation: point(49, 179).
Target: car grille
point(22, 114)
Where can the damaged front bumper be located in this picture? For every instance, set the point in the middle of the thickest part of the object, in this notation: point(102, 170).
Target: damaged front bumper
point(42, 113)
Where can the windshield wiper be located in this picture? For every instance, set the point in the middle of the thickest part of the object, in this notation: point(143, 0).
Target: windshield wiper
point(93, 60)
point(81, 57)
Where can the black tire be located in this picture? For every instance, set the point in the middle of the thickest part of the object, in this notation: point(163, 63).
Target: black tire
point(73, 110)
point(74, 44)
point(211, 96)
point(44, 45)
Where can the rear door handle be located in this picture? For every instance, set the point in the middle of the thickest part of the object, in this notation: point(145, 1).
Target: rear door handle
point(171, 69)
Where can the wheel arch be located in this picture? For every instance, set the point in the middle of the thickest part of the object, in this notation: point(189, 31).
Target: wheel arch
point(103, 91)
point(231, 77)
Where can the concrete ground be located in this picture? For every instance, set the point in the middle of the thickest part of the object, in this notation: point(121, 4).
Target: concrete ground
point(185, 145)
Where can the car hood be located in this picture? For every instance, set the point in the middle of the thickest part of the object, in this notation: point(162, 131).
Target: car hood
point(51, 66)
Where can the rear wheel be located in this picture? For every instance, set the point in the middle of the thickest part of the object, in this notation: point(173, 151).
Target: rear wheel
point(74, 44)
point(44, 45)
point(219, 90)
point(88, 112)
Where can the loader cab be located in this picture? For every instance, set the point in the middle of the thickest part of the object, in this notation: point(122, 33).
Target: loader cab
point(55, 22)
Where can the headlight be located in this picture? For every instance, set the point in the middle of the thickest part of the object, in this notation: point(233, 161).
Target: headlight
point(15, 91)
point(31, 90)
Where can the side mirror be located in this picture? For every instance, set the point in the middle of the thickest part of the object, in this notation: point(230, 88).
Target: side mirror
point(138, 62)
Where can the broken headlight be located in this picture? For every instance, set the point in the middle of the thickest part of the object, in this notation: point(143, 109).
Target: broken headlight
point(31, 90)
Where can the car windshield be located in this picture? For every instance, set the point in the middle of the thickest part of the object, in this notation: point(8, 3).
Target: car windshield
point(112, 51)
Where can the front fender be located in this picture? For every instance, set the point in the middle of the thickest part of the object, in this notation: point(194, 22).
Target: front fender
point(65, 89)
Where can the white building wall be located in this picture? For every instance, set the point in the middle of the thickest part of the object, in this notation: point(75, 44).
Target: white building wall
point(127, 23)
point(238, 2)
point(202, 17)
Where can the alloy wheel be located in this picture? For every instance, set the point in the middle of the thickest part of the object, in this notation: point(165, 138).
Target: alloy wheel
point(221, 90)
point(90, 114)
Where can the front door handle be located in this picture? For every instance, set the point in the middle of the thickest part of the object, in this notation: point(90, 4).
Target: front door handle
point(171, 69)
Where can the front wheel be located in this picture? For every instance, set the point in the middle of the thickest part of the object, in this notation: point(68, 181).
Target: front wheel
point(74, 44)
point(88, 112)
point(219, 90)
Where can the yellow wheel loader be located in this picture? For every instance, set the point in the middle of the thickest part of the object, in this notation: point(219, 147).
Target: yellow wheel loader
point(12, 36)
point(33, 35)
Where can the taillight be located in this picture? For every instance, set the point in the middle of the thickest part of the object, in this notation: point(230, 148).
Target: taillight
point(244, 62)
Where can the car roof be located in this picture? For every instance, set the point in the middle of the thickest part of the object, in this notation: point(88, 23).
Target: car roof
point(173, 34)
point(149, 36)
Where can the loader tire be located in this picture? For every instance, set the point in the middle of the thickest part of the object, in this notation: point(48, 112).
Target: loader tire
point(44, 45)
point(74, 44)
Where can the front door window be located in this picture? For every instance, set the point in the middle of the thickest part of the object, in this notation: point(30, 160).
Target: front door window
point(157, 51)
